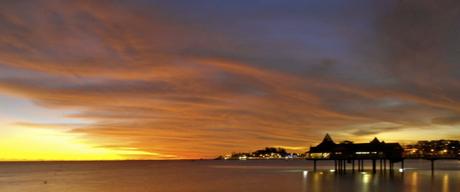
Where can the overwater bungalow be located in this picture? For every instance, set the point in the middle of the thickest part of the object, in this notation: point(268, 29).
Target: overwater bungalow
point(348, 152)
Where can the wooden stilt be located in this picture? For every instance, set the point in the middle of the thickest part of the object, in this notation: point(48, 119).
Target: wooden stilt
point(353, 166)
point(402, 164)
point(359, 165)
point(335, 165)
point(384, 165)
point(373, 166)
point(340, 166)
point(314, 165)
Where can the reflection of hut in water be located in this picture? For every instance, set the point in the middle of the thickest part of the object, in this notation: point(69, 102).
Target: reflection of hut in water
point(348, 152)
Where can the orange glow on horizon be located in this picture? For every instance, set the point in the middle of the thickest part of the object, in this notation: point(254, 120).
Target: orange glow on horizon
point(28, 143)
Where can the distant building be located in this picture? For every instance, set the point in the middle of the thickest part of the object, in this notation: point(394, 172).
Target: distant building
point(445, 149)
point(328, 149)
point(267, 153)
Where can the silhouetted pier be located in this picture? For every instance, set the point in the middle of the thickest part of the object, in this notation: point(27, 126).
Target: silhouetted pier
point(347, 152)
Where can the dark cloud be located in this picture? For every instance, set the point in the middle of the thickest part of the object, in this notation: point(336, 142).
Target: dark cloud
point(374, 131)
point(419, 40)
point(449, 120)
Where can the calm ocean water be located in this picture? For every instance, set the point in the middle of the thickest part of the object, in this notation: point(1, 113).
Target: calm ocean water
point(254, 176)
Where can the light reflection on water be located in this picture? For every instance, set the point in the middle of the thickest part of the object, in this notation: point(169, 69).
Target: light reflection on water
point(445, 182)
point(409, 181)
point(172, 176)
point(413, 181)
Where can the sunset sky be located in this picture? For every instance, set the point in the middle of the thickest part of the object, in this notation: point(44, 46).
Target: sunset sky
point(85, 80)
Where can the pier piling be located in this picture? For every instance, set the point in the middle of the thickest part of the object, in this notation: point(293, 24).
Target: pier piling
point(335, 165)
point(314, 165)
point(384, 164)
point(402, 164)
point(373, 166)
point(353, 166)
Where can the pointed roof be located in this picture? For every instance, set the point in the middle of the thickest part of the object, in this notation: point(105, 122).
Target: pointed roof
point(375, 141)
point(327, 142)
point(326, 145)
point(327, 139)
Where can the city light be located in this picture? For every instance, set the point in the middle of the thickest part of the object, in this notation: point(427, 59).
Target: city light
point(305, 173)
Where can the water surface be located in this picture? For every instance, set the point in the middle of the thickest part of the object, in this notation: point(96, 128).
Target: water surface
point(254, 176)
